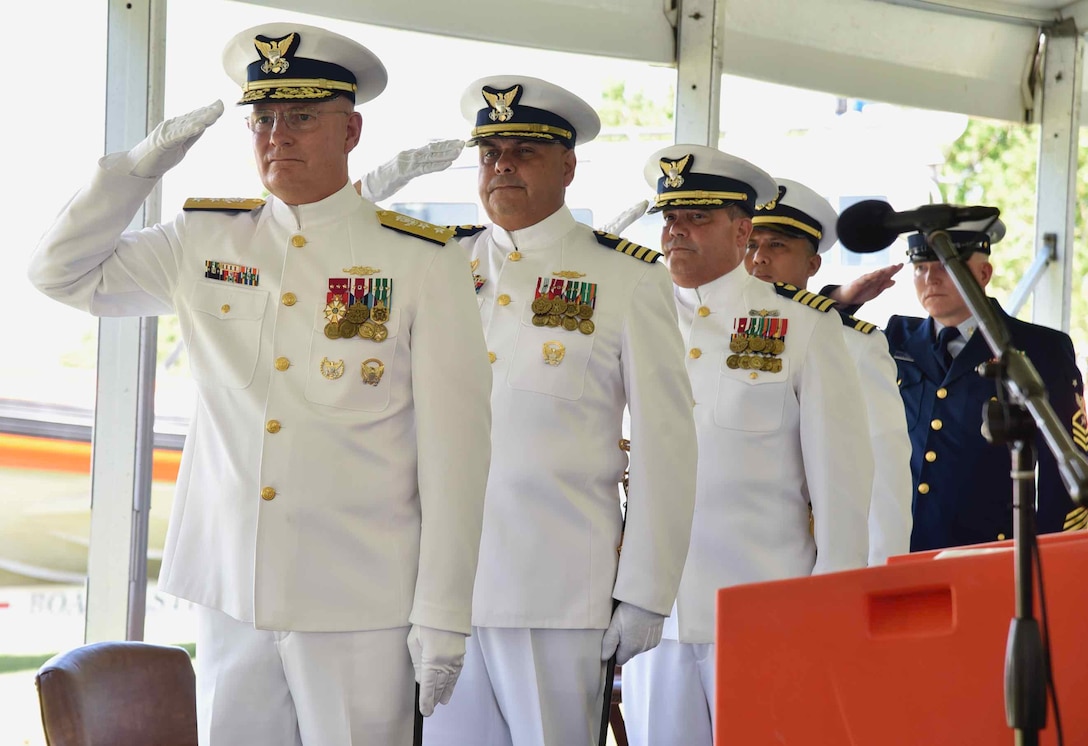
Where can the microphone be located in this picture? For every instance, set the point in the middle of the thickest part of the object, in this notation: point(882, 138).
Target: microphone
point(872, 224)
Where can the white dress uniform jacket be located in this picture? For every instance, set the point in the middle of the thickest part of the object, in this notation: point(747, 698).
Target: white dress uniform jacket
point(770, 444)
point(552, 519)
point(889, 510)
point(349, 472)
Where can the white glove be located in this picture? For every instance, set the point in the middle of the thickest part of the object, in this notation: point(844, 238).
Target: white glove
point(170, 141)
point(617, 224)
point(388, 178)
point(633, 630)
point(437, 656)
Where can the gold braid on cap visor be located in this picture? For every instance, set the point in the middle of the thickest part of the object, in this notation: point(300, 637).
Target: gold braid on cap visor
point(698, 197)
point(333, 85)
point(528, 130)
point(769, 220)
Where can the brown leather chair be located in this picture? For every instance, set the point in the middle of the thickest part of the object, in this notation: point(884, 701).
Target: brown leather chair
point(119, 694)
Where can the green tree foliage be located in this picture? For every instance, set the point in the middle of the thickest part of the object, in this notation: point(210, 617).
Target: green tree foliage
point(620, 108)
point(994, 163)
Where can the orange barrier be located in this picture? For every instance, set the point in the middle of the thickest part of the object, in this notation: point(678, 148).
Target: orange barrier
point(906, 654)
point(51, 454)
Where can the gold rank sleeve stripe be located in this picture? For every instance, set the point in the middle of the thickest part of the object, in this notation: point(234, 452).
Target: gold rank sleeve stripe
point(229, 204)
point(1076, 520)
point(804, 297)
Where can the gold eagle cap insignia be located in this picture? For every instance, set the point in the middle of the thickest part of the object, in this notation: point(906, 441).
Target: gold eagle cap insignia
point(501, 103)
point(273, 53)
point(673, 169)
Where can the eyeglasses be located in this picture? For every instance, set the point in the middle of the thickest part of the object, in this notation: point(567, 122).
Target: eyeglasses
point(299, 120)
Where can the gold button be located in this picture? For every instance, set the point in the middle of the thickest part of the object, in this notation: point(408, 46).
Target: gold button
point(298, 241)
point(923, 489)
point(289, 299)
point(1001, 537)
point(503, 300)
point(753, 375)
point(282, 363)
point(931, 456)
point(514, 256)
point(936, 424)
point(273, 426)
point(268, 493)
point(225, 308)
point(704, 311)
point(492, 356)
point(695, 353)
point(942, 393)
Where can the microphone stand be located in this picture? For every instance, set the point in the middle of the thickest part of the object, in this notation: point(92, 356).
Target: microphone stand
point(1030, 411)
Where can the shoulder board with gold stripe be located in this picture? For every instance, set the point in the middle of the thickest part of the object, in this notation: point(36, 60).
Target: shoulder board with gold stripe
point(223, 204)
point(856, 324)
point(415, 227)
point(624, 246)
point(464, 231)
point(804, 297)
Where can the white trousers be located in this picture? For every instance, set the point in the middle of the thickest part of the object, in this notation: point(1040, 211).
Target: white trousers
point(301, 688)
point(668, 695)
point(524, 687)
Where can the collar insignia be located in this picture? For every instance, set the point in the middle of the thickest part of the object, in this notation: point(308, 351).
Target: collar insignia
point(501, 103)
point(673, 171)
point(275, 52)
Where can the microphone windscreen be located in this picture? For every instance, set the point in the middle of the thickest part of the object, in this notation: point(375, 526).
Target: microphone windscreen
point(861, 226)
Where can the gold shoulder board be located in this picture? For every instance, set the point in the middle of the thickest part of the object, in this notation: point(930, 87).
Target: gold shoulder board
point(415, 227)
point(856, 324)
point(624, 246)
point(223, 204)
point(804, 297)
point(464, 231)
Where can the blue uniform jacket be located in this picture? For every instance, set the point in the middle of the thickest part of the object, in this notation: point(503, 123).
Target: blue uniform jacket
point(962, 486)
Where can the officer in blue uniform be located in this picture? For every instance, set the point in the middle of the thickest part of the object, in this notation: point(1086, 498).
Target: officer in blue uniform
point(962, 486)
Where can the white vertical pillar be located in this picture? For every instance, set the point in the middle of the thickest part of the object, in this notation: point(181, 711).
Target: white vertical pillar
point(700, 26)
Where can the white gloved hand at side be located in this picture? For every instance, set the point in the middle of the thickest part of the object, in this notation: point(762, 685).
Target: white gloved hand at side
point(170, 141)
point(437, 656)
point(633, 630)
point(388, 178)
point(617, 224)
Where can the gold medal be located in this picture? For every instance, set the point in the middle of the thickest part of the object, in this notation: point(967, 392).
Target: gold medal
point(357, 313)
point(738, 343)
point(540, 319)
point(332, 330)
point(379, 314)
point(757, 344)
point(570, 323)
point(541, 305)
point(733, 361)
point(776, 366)
point(745, 362)
point(381, 334)
point(585, 311)
point(572, 310)
point(335, 310)
point(777, 346)
point(585, 326)
point(559, 306)
point(366, 331)
point(554, 319)
point(348, 329)
point(757, 363)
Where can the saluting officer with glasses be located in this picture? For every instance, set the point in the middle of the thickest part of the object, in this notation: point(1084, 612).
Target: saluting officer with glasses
point(328, 510)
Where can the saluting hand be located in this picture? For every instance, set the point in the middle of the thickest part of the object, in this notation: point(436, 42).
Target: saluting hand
point(617, 224)
point(388, 178)
point(170, 141)
point(866, 287)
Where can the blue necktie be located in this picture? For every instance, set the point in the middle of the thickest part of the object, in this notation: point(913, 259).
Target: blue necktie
point(940, 349)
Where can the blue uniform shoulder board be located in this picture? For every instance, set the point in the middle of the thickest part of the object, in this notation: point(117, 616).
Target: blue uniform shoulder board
point(464, 231)
point(415, 227)
point(624, 246)
point(222, 204)
point(857, 324)
point(804, 297)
